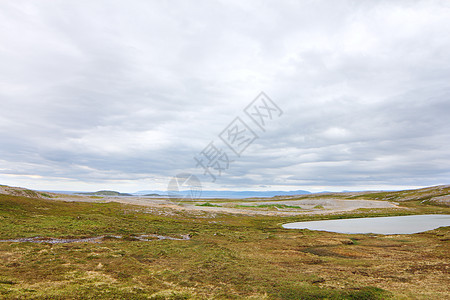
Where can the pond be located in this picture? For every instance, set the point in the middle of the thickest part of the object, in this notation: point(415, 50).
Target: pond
point(378, 225)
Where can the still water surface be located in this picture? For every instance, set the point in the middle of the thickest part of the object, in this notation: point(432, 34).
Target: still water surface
point(380, 225)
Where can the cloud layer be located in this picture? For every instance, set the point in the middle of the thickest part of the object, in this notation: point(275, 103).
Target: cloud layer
point(123, 95)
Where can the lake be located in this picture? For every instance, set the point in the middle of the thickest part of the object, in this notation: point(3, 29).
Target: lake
point(379, 225)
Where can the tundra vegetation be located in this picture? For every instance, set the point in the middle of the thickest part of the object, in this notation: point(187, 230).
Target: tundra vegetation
point(227, 256)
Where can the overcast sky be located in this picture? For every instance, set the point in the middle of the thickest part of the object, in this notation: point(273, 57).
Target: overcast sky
point(123, 94)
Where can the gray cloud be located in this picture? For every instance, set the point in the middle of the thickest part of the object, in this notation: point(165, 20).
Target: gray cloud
point(124, 95)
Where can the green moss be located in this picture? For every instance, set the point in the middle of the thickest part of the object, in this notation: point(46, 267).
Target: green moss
point(208, 204)
point(311, 292)
point(270, 206)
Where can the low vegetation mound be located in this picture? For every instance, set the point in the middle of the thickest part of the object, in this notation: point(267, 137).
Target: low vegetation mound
point(17, 191)
point(106, 193)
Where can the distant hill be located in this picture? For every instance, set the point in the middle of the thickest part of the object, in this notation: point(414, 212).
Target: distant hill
point(435, 195)
point(18, 191)
point(105, 193)
point(233, 194)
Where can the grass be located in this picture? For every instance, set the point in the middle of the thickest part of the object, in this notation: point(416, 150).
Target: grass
point(269, 206)
point(208, 205)
point(227, 257)
point(46, 195)
point(424, 194)
point(31, 193)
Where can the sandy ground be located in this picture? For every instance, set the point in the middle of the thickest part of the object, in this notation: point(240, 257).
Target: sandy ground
point(312, 204)
point(307, 206)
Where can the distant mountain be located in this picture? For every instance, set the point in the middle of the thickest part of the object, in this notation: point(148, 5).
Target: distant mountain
point(231, 194)
point(105, 193)
point(205, 194)
point(434, 195)
point(62, 192)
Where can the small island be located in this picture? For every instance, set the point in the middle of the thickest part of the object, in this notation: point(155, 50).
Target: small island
point(105, 193)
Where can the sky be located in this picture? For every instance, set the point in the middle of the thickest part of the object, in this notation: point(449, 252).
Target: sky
point(124, 95)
